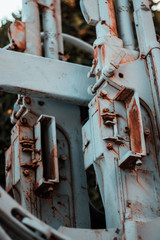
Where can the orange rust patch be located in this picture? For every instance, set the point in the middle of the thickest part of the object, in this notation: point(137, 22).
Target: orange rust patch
point(135, 127)
point(19, 25)
point(95, 52)
point(103, 53)
point(112, 24)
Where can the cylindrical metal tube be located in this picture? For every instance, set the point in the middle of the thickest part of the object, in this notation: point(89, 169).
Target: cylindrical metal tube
point(124, 23)
point(50, 30)
point(30, 15)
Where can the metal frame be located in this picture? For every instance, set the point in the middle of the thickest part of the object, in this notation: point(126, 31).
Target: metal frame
point(121, 136)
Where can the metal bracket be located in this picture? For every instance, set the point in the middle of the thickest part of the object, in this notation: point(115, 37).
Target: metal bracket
point(47, 172)
point(64, 81)
point(135, 125)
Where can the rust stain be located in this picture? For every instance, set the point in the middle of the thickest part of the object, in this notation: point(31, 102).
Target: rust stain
point(99, 115)
point(136, 173)
point(113, 150)
point(112, 18)
point(129, 58)
point(137, 208)
point(95, 52)
point(55, 161)
point(19, 25)
point(135, 127)
point(103, 53)
point(17, 36)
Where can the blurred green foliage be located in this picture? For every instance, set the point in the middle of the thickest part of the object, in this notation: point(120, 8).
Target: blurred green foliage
point(74, 24)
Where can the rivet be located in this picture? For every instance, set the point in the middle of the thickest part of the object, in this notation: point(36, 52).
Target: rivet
point(109, 146)
point(105, 110)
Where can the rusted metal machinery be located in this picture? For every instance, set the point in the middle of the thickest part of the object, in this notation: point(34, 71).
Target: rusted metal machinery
point(49, 146)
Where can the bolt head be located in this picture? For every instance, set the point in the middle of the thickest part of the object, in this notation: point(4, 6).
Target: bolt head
point(26, 173)
point(109, 146)
point(105, 110)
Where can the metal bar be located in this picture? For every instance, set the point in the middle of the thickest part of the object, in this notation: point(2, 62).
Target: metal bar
point(107, 14)
point(59, 27)
point(37, 77)
point(73, 40)
point(78, 43)
point(30, 15)
point(50, 30)
point(149, 48)
point(97, 84)
point(124, 23)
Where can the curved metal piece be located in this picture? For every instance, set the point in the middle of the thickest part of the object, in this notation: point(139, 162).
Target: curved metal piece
point(23, 224)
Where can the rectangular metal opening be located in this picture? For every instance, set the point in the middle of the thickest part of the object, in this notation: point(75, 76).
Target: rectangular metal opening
point(49, 152)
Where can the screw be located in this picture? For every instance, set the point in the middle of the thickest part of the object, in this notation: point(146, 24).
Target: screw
point(27, 100)
point(105, 110)
point(26, 173)
point(109, 146)
point(138, 162)
point(147, 131)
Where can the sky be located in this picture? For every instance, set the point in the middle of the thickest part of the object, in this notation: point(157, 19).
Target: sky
point(9, 6)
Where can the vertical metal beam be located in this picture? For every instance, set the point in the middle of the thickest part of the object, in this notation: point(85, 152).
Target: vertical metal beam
point(50, 30)
point(107, 25)
point(149, 48)
point(124, 23)
point(30, 15)
point(59, 28)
